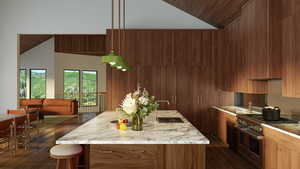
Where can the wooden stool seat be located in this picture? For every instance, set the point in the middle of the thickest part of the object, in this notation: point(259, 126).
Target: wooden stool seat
point(66, 155)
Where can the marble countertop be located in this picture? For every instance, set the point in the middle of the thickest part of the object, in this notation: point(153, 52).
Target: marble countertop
point(291, 129)
point(99, 130)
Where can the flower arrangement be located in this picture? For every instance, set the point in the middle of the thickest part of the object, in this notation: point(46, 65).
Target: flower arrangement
point(138, 105)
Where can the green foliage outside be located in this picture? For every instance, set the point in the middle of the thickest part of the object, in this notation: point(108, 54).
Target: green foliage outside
point(89, 86)
point(38, 84)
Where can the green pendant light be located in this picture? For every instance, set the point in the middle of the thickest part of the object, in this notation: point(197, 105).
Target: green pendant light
point(123, 66)
point(112, 58)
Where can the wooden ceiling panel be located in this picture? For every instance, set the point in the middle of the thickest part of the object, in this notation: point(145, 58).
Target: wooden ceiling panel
point(218, 13)
point(28, 42)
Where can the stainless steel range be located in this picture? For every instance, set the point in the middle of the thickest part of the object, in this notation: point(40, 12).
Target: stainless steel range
point(250, 138)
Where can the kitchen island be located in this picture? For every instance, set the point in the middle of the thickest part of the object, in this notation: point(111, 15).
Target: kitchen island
point(159, 146)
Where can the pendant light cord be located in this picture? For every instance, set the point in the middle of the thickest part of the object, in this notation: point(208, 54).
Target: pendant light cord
point(124, 25)
point(112, 26)
point(120, 39)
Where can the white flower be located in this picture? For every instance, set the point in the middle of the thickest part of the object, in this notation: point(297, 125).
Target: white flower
point(143, 100)
point(129, 105)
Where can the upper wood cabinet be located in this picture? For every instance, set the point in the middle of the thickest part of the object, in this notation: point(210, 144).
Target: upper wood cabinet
point(260, 24)
point(233, 63)
point(291, 53)
point(193, 47)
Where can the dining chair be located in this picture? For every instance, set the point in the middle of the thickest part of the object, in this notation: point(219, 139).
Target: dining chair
point(32, 119)
point(7, 136)
point(21, 133)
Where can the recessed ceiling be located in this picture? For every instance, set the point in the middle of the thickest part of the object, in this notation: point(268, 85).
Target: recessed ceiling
point(218, 13)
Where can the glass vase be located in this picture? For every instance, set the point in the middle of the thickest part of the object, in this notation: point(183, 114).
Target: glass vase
point(137, 123)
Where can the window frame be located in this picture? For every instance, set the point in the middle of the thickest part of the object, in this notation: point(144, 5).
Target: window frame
point(30, 82)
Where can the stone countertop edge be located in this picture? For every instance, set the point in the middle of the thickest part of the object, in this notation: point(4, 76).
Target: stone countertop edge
point(99, 130)
point(263, 124)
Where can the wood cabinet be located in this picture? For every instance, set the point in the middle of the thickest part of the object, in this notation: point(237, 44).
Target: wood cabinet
point(220, 122)
point(174, 65)
point(281, 150)
point(291, 52)
point(234, 61)
point(261, 29)
point(147, 156)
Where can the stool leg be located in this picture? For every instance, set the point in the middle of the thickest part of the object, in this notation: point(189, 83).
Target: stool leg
point(72, 163)
point(61, 164)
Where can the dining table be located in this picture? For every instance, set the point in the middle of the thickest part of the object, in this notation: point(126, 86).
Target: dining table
point(4, 117)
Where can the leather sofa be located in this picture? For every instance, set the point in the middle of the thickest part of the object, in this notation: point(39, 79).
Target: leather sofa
point(52, 106)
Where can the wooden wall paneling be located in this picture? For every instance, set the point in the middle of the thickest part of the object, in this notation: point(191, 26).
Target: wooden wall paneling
point(182, 48)
point(81, 44)
point(28, 42)
point(154, 47)
point(184, 91)
point(171, 86)
point(216, 12)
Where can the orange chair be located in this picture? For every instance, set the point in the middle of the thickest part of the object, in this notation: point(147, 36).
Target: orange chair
point(31, 117)
point(7, 136)
point(21, 133)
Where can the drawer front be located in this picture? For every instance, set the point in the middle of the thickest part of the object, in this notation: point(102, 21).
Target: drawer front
point(126, 156)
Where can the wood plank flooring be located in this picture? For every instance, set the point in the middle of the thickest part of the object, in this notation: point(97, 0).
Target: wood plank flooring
point(218, 156)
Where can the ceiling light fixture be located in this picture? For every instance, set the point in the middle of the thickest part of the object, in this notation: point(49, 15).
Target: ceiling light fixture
point(112, 58)
point(122, 65)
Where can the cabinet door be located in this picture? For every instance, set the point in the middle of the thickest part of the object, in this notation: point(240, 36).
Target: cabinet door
point(291, 51)
point(126, 156)
point(184, 91)
point(154, 47)
point(171, 86)
point(190, 47)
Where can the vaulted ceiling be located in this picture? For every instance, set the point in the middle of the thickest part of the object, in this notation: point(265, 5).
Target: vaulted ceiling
point(28, 42)
point(218, 13)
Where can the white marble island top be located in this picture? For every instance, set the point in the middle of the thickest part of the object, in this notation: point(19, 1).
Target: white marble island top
point(99, 130)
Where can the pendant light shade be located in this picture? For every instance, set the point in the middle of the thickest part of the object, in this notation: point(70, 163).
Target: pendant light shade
point(123, 66)
point(112, 59)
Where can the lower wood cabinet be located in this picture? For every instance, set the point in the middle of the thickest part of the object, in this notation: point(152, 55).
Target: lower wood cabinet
point(281, 150)
point(221, 122)
point(147, 156)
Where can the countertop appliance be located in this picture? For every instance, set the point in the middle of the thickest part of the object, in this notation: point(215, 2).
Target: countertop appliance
point(271, 113)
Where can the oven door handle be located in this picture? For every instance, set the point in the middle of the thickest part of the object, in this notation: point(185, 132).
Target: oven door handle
point(258, 137)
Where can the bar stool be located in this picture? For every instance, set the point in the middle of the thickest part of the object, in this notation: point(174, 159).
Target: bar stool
point(66, 156)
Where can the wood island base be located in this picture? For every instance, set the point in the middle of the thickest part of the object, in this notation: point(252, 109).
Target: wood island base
point(149, 156)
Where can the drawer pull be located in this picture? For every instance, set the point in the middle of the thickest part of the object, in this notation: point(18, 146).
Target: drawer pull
point(105, 151)
point(138, 151)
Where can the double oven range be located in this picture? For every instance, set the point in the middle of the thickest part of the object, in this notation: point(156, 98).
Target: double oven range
point(250, 138)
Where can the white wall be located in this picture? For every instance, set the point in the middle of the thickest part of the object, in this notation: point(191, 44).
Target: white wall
point(290, 106)
point(72, 17)
point(42, 57)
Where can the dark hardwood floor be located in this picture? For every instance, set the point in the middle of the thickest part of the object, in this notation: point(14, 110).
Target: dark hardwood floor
point(218, 156)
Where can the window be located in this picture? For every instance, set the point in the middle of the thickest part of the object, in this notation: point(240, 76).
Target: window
point(81, 85)
point(71, 84)
point(38, 83)
point(23, 84)
point(89, 88)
